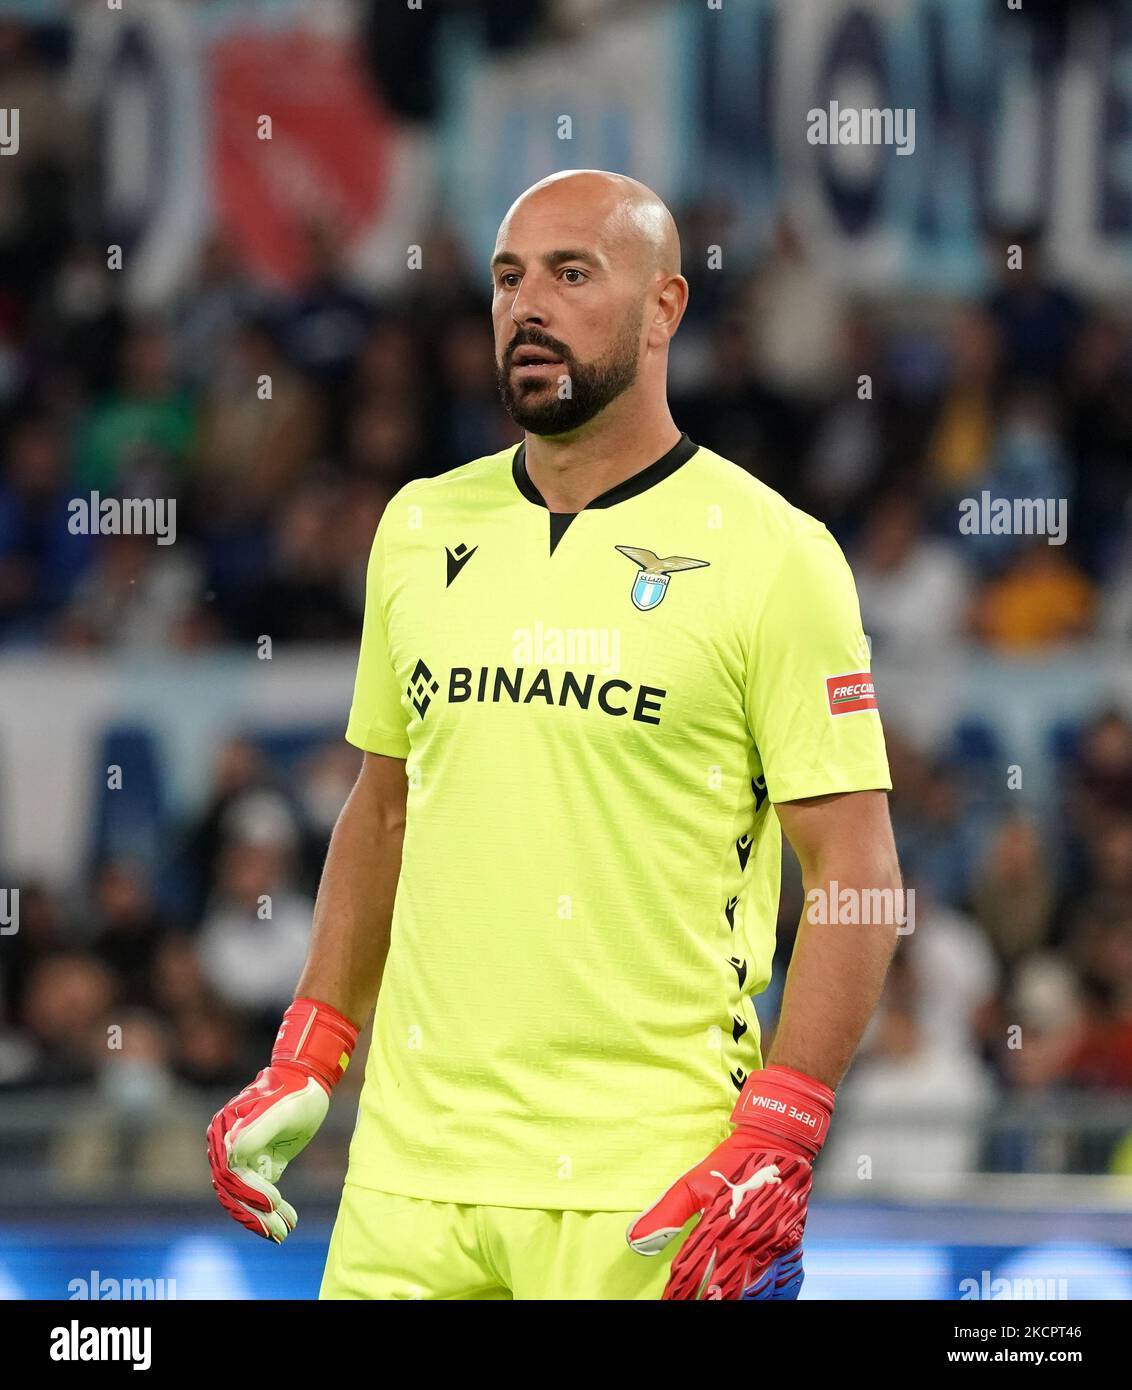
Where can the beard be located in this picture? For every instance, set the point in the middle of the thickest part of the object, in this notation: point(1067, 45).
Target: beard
point(535, 406)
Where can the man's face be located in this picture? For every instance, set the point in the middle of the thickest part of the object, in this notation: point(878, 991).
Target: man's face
point(567, 312)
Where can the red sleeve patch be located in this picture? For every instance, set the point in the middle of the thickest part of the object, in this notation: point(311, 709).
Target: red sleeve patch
point(849, 693)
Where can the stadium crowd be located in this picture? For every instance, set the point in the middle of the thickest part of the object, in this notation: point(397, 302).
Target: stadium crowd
point(878, 417)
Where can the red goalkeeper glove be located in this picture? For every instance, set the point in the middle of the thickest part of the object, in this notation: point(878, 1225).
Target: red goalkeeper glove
point(253, 1138)
point(751, 1192)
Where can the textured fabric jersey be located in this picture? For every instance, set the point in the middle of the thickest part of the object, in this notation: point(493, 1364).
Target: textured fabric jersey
point(598, 712)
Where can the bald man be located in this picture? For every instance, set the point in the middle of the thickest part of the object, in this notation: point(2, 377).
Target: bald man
point(600, 674)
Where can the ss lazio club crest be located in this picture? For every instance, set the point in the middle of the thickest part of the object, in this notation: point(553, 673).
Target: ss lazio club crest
point(650, 586)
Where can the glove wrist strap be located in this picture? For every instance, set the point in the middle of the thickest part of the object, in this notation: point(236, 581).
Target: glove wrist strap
point(787, 1104)
point(317, 1039)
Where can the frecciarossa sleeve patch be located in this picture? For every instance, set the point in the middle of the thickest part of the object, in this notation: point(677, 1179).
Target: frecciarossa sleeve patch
point(849, 693)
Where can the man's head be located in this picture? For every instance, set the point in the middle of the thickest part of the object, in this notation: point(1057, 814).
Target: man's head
point(587, 294)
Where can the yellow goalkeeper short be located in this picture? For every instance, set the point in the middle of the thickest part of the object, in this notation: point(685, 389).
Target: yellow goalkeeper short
point(387, 1246)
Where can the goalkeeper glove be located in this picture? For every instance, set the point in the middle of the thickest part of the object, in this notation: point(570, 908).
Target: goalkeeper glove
point(751, 1192)
point(253, 1138)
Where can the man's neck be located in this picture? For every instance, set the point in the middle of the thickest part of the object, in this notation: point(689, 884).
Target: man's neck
point(570, 472)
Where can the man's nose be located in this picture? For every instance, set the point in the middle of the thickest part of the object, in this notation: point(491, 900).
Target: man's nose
point(528, 306)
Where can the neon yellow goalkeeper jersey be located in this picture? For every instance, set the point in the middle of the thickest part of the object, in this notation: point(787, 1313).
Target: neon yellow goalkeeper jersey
point(598, 712)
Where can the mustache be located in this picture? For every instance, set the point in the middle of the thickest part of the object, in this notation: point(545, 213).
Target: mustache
point(532, 338)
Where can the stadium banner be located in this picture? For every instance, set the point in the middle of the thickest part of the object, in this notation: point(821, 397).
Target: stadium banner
point(611, 98)
point(896, 136)
point(248, 119)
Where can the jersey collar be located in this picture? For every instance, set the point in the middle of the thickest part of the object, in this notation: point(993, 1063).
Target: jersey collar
point(640, 482)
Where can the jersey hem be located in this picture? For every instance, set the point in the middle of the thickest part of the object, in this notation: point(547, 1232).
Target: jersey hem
point(488, 1195)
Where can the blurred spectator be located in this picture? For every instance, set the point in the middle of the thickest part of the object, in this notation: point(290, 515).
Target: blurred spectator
point(474, 421)
point(303, 597)
point(1102, 1056)
point(449, 286)
point(743, 420)
point(79, 325)
point(64, 1010)
point(134, 597)
point(324, 322)
point(136, 441)
point(39, 556)
point(209, 1051)
point(1043, 600)
point(958, 452)
point(850, 451)
point(1014, 893)
point(43, 932)
point(240, 771)
point(1099, 438)
point(937, 833)
point(219, 300)
point(796, 319)
point(1027, 464)
point(385, 443)
point(912, 1107)
point(1038, 319)
point(902, 574)
point(1115, 621)
point(36, 190)
point(1042, 1016)
point(178, 982)
point(251, 450)
point(1100, 910)
point(138, 1129)
point(254, 938)
point(128, 929)
point(1102, 775)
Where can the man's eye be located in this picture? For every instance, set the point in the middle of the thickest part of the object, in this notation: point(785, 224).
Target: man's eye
point(509, 279)
point(571, 270)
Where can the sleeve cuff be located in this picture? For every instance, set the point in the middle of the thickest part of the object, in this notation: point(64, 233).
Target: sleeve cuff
point(391, 743)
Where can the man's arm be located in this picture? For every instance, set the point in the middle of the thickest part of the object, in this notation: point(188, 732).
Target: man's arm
point(354, 908)
point(837, 970)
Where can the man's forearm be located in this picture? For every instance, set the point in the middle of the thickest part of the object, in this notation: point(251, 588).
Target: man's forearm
point(838, 967)
point(354, 908)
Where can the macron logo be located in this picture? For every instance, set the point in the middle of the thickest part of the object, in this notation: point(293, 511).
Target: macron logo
point(851, 692)
point(457, 559)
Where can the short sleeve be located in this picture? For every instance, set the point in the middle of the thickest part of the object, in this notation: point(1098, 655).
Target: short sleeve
point(810, 701)
point(377, 720)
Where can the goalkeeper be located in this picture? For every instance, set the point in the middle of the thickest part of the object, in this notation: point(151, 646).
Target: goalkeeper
point(601, 673)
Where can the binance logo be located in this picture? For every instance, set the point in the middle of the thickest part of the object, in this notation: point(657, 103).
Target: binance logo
point(421, 688)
